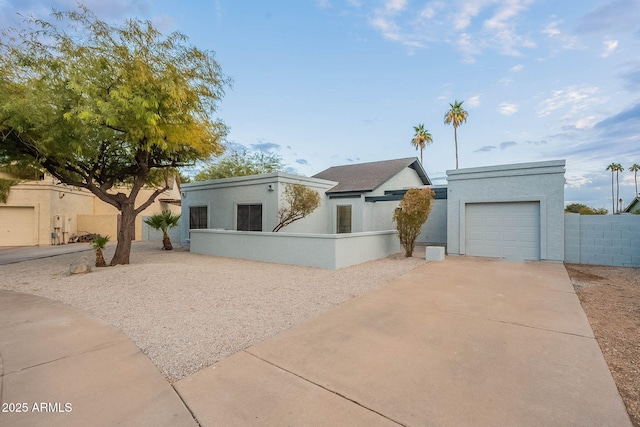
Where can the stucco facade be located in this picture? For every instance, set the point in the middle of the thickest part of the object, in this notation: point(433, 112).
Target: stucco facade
point(222, 198)
point(36, 209)
point(540, 184)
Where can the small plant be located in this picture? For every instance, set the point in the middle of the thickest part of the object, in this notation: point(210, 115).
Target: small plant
point(98, 243)
point(300, 200)
point(413, 211)
point(163, 221)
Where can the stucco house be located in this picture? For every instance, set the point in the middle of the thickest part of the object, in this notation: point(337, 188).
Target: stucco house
point(44, 212)
point(354, 198)
point(510, 211)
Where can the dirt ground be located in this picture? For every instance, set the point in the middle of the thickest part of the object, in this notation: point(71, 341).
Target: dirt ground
point(610, 296)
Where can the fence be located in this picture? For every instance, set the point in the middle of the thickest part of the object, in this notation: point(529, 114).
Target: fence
point(602, 239)
point(329, 251)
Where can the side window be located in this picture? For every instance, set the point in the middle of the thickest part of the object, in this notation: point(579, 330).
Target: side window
point(249, 218)
point(197, 217)
point(344, 219)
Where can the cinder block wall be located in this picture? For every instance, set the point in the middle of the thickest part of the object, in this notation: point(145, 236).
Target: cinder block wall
point(602, 239)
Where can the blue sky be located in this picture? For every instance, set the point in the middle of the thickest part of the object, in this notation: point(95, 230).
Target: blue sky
point(328, 82)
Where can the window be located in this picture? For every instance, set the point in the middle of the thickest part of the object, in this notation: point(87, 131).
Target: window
point(344, 219)
point(197, 217)
point(249, 218)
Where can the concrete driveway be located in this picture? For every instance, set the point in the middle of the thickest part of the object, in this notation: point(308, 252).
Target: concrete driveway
point(464, 342)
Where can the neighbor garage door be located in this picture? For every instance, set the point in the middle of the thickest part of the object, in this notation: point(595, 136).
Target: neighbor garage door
point(17, 226)
point(503, 230)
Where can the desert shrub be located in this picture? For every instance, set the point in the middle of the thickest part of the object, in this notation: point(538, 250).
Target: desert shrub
point(412, 213)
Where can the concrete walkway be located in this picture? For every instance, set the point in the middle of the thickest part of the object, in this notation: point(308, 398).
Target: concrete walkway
point(464, 342)
point(60, 366)
point(11, 255)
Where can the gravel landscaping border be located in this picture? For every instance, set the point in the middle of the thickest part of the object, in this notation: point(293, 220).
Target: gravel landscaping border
point(187, 311)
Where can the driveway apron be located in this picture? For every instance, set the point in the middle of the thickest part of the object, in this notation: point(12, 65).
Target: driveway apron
point(464, 342)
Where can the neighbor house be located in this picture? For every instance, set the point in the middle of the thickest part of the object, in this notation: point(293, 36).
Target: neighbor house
point(43, 211)
point(634, 206)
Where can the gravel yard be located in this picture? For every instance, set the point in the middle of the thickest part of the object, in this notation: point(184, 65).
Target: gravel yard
point(187, 311)
point(610, 296)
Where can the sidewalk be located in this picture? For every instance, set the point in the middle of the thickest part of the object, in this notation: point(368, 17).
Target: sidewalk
point(10, 255)
point(63, 367)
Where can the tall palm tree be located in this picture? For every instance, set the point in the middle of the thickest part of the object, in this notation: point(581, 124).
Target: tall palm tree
point(421, 139)
point(456, 116)
point(163, 221)
point(612, 167)
point(619, 168)
point(635, 168)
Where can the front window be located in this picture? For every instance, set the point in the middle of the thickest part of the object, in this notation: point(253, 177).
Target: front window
point(197, 217)
point(344, 219)
point(249, 218)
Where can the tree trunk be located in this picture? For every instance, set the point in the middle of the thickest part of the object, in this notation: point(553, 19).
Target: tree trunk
point(125, 235)
point(166, 242)
point(617, 192)
point(455, 137)
point(100, 258)
point(613, 202)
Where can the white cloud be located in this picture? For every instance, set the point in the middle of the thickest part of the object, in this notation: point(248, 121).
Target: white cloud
point(384, 21)
point(469, 9)
point(517, 68)
point(323, 4)
point(587, 122)
point(474, 101)
point(394, 6)
point(354, 3)
point(551, 30)
point(431, 9)
point(573, 98)
point(507, 109)
point(610, 47)
point(567, 41)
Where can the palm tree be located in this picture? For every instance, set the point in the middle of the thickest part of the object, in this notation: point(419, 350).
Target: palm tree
point(619, 168)
point(615, 168)
point(98, 243)
point(421, 139)
point(163, 221)
point(635, 168)
point(456, 116)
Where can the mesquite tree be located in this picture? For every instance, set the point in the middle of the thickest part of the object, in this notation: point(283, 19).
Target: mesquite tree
point(412, 213)
point(104, 107)
point(300, 202)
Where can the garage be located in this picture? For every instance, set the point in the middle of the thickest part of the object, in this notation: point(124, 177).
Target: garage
point(503, 230)
point(17, 226)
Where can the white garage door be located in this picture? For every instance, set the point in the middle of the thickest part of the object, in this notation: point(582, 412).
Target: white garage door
point(17, 226)
point(503, 230)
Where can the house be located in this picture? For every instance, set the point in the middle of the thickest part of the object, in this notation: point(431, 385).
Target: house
point(354, 198)
point(510, 211)
point(353, 224)
point(44, 212)
point(634, 206)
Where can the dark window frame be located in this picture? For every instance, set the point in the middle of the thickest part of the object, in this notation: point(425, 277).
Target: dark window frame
point(198, 217)
point(343, 228)
point(249, 217)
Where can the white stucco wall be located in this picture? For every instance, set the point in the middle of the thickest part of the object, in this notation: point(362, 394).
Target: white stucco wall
point(222, 196)
point(434, 231)
point(329, 251)
point(541, 182)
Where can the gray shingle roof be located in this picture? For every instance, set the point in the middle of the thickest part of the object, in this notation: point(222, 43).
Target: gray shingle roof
point(363, 177)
